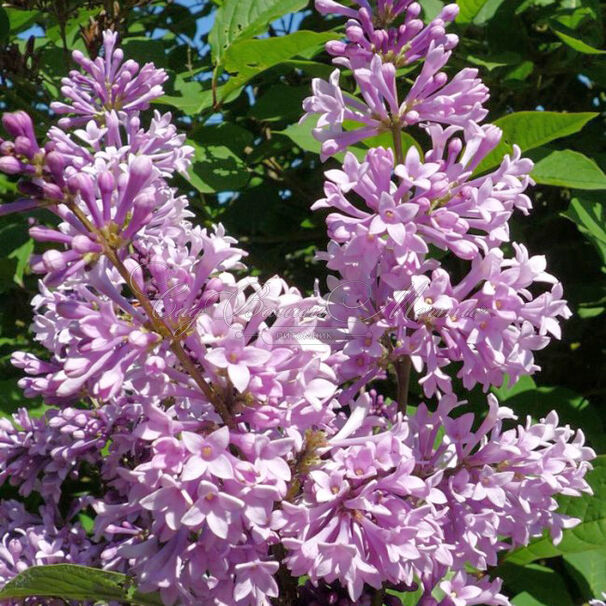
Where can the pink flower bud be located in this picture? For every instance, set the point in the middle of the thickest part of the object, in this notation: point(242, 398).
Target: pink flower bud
point(53, 260)
point(10, 165)
point(18, 124)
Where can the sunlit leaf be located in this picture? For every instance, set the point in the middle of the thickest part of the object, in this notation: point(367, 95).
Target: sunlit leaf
point(72, 582)
point(571, 169)
point(529, 130)
point(590, 218)
point(240, 19)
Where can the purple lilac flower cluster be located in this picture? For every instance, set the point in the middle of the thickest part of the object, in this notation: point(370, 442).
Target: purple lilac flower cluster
point(232, 444)
point(395, 506)
point(391, 211)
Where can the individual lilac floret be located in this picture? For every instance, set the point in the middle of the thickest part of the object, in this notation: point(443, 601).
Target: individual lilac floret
point(23, 154)
point(466, 590)
point(109, 84)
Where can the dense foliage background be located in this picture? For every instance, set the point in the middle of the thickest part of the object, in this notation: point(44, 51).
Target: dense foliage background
point(238, 75)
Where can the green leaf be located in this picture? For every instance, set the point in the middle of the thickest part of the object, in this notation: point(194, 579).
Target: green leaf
point(589, 570)
point(408, 598)
point(590, 218)
point(495, 60)
point(252, 56)
point(468, 9)
point(21, 19)
point(22, 255)
point(5, 25)
point(570, 38)
point(431, 8)
point(81, 583)
point(585, 313)
point(520, 72)
point(190, 98)
point(217, 168)
point(301, 134)
point(12, 398)
point(249, 58)
point(529, 130)
point(569, 168)
point(280, 102)
point(588, 536)
point(488, 11)
point(524, 384)
point(526, 599)
point(542, 584)
point(229, 134)
point(218, 164)
point(239, 19)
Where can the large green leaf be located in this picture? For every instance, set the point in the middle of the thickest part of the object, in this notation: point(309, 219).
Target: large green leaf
point(21, 19)
point(248, 58)
point(239, 19)
point(81, 583)
point(588, 536)
point(301, 134)
point(591, 220)
point(488, 11)
point(571, 169)
point(216, 168)
point(431, 8)
point(526, 599)
point(408, 598)
point(530, 130)
point(252, 56)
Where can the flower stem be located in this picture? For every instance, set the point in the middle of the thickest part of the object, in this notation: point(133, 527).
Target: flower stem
point(402, 364)
point(157, 323)
point(396, 132)
point(378, 597)
point(287, 583)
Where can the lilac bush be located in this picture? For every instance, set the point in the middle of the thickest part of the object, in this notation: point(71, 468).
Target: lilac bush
point(231, 425)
